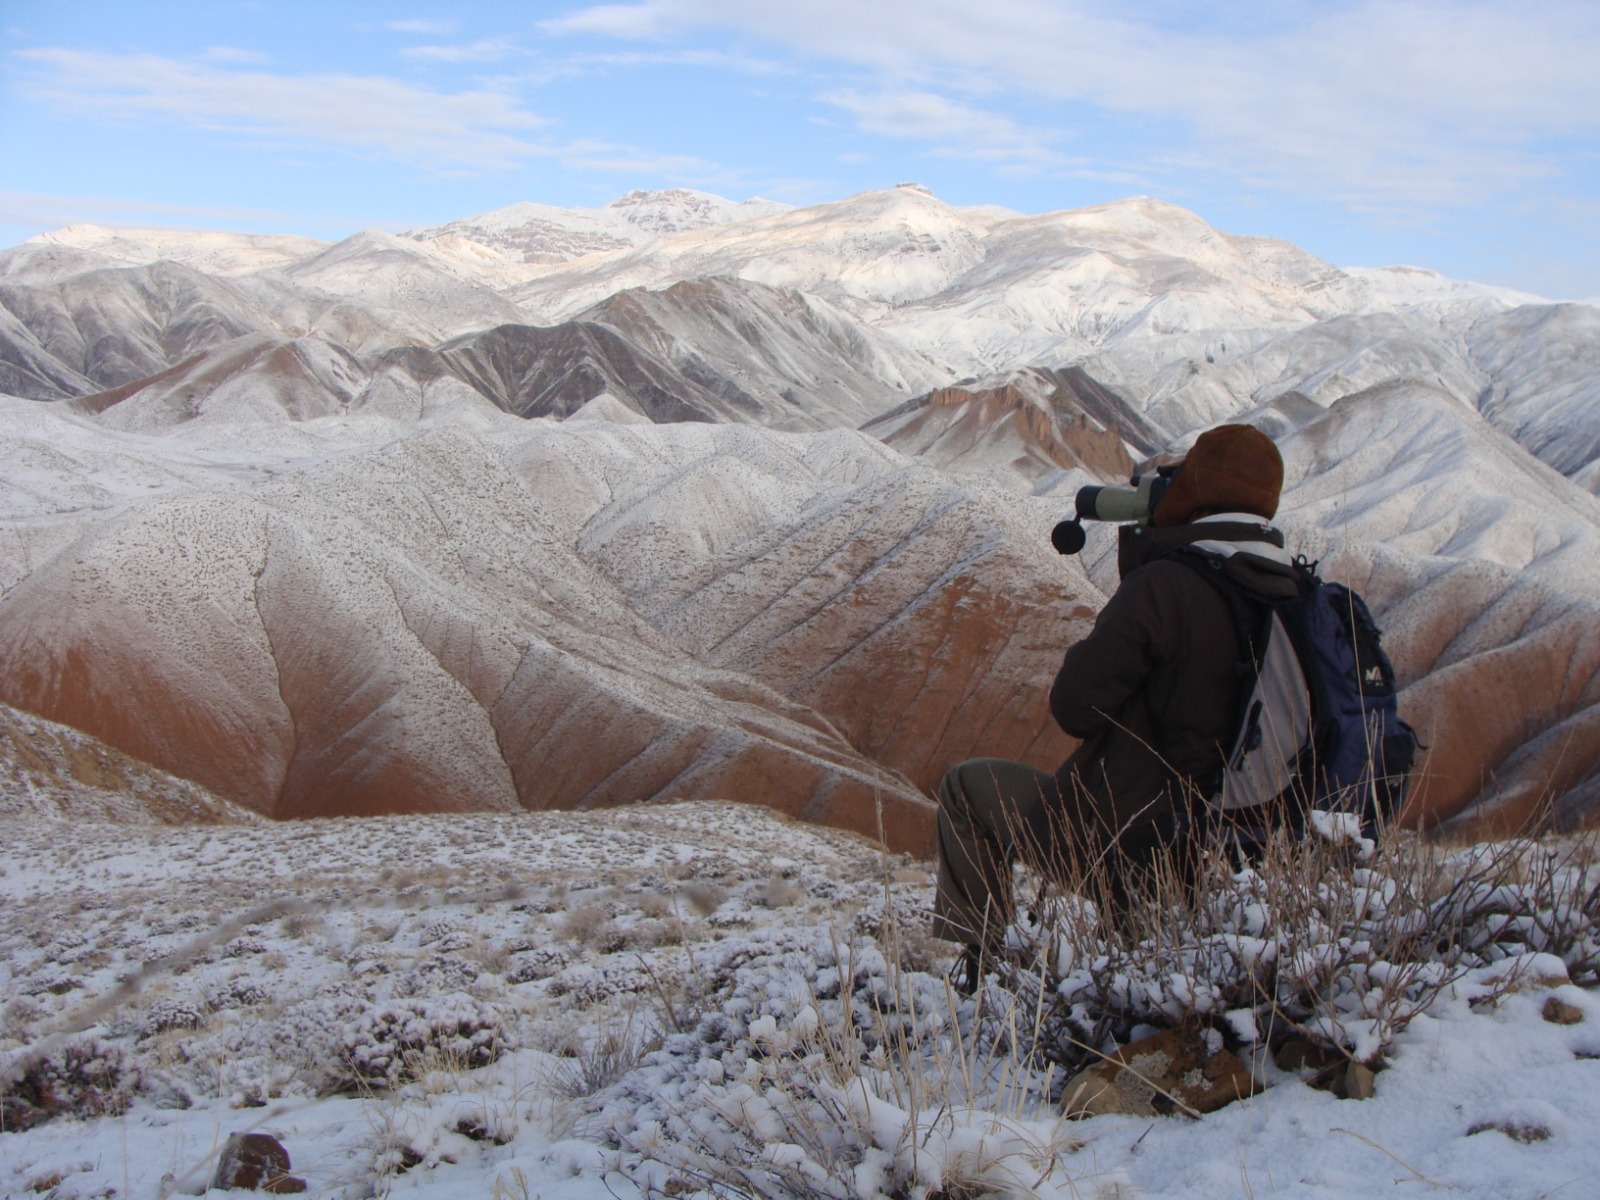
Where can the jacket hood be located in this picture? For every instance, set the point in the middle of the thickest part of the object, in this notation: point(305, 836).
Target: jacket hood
point(1229, 468)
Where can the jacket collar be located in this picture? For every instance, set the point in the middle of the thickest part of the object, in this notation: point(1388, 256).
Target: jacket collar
point(1224, 535)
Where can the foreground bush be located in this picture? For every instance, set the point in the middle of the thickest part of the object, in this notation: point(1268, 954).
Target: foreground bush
point(1333, 939)
point(828, 1070)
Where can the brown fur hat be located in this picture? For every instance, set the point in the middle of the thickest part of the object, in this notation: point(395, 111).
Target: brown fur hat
point(1232, 468)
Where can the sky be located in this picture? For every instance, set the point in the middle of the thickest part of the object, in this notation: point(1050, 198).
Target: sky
point(1450, 134)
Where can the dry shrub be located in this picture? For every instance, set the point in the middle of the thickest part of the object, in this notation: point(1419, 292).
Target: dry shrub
point(1332, 938)
point(19, 1016)
point(391, 1043)
point(597, 1062)
point(704, 897)
point(654, 904)
point(491, 955)
point(781, 893)
point(83, 1078)
point(585, 924)
point(822, 1071)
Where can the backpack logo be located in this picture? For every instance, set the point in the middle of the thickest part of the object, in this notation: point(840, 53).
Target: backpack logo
point(1374, 676)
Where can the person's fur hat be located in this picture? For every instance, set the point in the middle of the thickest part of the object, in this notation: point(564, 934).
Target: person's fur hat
point(1232, 468)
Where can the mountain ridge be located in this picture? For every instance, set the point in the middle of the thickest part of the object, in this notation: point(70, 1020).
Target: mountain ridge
point(761, 509)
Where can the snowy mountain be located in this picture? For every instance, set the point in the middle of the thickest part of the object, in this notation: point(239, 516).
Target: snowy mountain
point(1032, 423)
point(351, 614)
point(213, 252)
point(539, 233)
point(1193, 325)
point(366, 536)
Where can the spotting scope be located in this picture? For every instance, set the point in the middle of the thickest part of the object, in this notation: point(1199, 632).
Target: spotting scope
point(1136, 502)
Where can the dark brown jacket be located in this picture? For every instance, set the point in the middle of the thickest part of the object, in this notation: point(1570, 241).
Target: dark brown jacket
point(1154, 690)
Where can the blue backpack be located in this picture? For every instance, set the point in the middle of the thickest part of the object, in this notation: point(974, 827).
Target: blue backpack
point(1319, 728)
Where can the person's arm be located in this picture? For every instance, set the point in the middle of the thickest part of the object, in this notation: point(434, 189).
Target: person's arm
point(1103, 671)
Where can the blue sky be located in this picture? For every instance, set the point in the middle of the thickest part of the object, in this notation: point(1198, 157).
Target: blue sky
point(1457, 135)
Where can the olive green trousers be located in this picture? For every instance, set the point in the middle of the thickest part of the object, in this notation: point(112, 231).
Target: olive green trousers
point(989, 812)
point(993, 813)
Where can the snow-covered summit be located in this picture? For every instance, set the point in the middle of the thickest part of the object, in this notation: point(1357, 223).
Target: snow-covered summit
point(542, 233)
point(212, 251)
point(1405, 285)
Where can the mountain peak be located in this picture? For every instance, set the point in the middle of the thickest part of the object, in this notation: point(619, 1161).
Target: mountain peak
point(71, 235)
point(640, 197)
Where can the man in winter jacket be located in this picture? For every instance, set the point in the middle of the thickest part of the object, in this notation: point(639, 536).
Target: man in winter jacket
point(1153, 693)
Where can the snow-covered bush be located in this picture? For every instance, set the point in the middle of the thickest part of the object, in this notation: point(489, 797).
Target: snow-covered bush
point(1332, 938)
point(444, 973)
point(392, 1042)
point(172, 1013)
point(1529, 896)
point(86, 1077)
point(820, 1070)
point(237, 993)
point(535, 964)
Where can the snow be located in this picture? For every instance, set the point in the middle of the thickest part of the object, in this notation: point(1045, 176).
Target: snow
point(1417, 285)
point(270, 978)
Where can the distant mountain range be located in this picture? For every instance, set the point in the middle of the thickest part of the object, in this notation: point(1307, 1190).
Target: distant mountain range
point(679, 496)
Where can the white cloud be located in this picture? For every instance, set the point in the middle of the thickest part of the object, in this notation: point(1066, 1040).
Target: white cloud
point(36, 208)
point(476, 130)
point(625, 20)
point(447, 131)
point(957, 129)
point(744, 64)
point(488, 50)
point(233, 54)
point(626, 161)
point(422, 26)
point(1372, 102)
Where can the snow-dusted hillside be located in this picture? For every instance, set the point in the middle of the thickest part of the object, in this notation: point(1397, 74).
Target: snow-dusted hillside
point(51, 772)
point(361, 614)
point(212, 252)
point(275, 489)
point(1192, 325)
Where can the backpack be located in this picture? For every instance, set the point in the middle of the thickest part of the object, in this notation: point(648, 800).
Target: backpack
point(1319, 728)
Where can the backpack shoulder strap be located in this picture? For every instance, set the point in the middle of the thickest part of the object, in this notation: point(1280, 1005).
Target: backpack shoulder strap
point(1248, 611)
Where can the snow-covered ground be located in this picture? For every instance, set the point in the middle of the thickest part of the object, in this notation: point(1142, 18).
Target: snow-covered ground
point(604, 1005)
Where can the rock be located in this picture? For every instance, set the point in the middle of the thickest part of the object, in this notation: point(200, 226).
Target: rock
point(1177, 1070)
point(1558, 1012)
point(255, 1162)
point(1347, 1080)
point(1359, 1082)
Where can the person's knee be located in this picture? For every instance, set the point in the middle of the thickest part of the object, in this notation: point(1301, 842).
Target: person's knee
point(957, 786)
